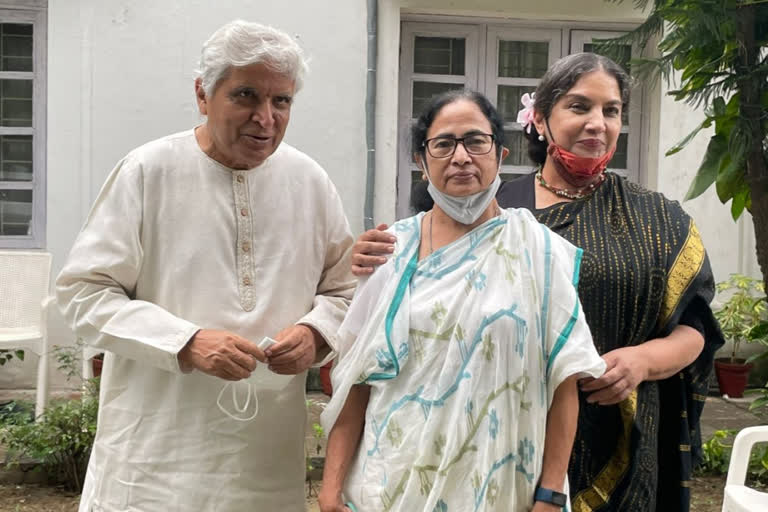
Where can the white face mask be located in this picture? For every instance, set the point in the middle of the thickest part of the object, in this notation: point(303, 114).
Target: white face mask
point(465, 209)
point(260, 379)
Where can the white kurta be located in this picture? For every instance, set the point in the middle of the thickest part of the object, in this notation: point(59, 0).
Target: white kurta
point(177, 242)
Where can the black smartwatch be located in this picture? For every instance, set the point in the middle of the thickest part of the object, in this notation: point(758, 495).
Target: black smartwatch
point(550, 496)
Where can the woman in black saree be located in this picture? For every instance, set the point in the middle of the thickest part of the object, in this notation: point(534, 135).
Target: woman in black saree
point(645, 287)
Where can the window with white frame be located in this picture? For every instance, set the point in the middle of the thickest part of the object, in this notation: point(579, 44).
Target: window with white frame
point(22, 128)
point(503, 62)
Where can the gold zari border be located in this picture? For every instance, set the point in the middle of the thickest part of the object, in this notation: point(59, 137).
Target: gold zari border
point(687, 264)
point(600, 491)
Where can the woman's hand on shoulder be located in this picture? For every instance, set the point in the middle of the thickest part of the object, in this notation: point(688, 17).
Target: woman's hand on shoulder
point(369, 250)
point(625, 369)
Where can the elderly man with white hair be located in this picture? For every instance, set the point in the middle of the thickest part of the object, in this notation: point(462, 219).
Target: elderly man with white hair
point(200, 245)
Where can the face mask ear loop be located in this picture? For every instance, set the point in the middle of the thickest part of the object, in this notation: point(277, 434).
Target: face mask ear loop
point(551, 138)
point(423, 158)
point(247, 397)
point(234, 400)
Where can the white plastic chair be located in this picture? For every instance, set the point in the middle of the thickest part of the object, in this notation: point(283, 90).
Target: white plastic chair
point(737, 496)
point(24, 285)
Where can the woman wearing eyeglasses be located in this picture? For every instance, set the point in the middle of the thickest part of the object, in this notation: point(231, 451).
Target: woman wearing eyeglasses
point(645, 285)
point(458, 387)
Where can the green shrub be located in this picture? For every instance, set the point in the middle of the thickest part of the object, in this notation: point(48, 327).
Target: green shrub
point(60, 439)
point(6, 355)
point(716, 456)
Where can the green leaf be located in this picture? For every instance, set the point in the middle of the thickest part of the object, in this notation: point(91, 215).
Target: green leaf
point(757, 357)
point(688, 138)
point(759, 331)
point(739, 202)
point(19, 354)
point(710, 164)
point(730, 178)
point(760, 402)
point(718, 106)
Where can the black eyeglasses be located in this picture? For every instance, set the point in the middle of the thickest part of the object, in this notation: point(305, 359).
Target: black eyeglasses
point(445, 146)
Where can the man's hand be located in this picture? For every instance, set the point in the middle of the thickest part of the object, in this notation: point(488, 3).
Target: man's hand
point(367, 251)
point(220, 353)
point(625, 370)
point(295, 350)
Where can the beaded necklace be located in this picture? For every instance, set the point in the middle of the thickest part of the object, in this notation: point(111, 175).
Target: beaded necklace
point(568, 194)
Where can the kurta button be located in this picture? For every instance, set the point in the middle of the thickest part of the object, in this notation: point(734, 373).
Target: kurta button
point(244, 212)
point(247, 281)
point(240, 179)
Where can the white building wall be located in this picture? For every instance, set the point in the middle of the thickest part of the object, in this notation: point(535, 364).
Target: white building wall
point(730, 245)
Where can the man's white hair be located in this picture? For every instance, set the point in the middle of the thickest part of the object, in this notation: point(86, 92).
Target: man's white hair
point(242, 43)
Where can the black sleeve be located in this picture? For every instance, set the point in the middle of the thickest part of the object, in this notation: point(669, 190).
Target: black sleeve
point(518, 193)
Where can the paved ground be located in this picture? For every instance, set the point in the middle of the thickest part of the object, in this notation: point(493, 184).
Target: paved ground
point(722, 413)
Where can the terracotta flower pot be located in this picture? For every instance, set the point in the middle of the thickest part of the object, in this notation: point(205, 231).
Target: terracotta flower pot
point(96, 364)
point(732, 376)
point(325, 378)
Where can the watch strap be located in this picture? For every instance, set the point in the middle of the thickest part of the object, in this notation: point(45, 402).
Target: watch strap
point(550, 496)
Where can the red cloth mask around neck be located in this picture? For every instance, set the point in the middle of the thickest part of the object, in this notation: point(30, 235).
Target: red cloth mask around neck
point(579, 166)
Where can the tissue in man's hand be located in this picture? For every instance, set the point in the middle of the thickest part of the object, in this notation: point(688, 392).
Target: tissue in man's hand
point(262, 377)
point(265, 343)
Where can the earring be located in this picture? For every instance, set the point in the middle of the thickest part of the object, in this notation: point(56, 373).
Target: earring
point(541, 138)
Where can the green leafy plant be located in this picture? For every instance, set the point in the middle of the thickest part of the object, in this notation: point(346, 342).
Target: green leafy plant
point(16, 412)
point(716, 453)
point(716, 456)
point(742, 316)
point(6, 355)
point(313, 450)
point(62, 437)
point(714, 54)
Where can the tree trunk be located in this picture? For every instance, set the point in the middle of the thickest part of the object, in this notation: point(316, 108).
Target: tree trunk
point(751, 111)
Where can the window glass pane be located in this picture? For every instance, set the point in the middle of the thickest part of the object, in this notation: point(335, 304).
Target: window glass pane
point(619, 160)
point(423, 91)
point(439, 55)
point(15, 47)
point(523, 59)
point(508, 100)
point(518, 148)
point(16, 158)
point(15, 102)
point(15, 212)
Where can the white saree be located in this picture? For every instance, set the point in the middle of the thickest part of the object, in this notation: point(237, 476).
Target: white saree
point(463, 351)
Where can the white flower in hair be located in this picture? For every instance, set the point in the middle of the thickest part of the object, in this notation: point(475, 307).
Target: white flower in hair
point(525, 116)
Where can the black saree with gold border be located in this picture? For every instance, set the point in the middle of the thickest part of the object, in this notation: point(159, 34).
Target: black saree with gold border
point(644, 272)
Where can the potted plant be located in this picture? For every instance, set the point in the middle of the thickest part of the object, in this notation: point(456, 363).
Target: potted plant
point(740, 319)
point(97, 362)
point(325, 378)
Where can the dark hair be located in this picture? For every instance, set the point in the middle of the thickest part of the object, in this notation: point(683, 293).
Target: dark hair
point(421, 201)
point(436, 104)
point(559, 79)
